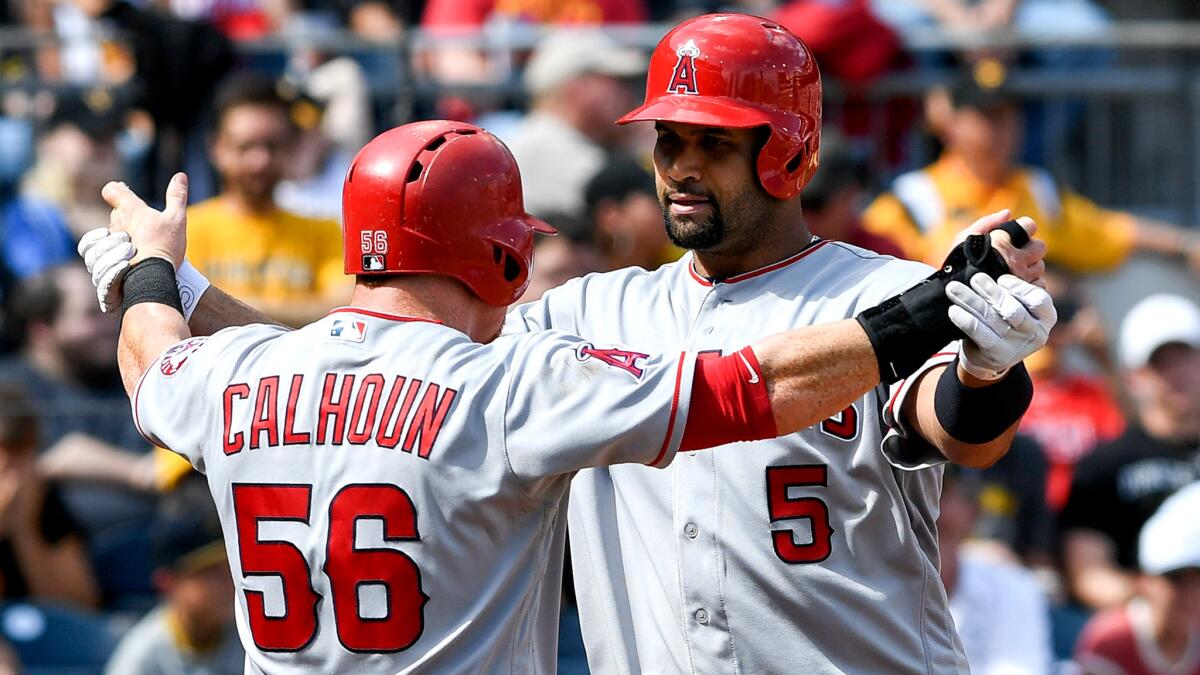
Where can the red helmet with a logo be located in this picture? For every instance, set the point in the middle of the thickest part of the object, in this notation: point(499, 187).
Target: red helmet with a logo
point(741, 71)
point(442, 198)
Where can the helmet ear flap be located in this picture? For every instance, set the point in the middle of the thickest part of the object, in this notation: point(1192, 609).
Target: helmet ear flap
point(787, 163)
point(512, 269)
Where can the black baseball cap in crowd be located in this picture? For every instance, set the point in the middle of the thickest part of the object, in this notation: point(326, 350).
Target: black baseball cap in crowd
point(620, 177)
point(186, 533)
point(982, 86)
point(840, 167)
point(97, 112)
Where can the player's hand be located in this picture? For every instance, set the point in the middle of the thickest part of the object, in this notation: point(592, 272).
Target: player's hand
point(1027, 262)
point(106, 254)
point(154, 233)
point(1004, 320)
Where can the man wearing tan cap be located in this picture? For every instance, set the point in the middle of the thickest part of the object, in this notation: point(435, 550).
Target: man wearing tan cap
point(578, 83)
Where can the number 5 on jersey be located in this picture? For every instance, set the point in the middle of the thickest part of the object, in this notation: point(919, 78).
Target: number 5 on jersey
point(782, 506)
point(348, 567)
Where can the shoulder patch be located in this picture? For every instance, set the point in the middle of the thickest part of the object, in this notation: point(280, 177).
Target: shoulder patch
point(351, 330)
point(175, 357)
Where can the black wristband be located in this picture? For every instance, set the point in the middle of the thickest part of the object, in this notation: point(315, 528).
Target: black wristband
point(909, 328)
point(1016, 233)
point(151, 280)
point(978, 415)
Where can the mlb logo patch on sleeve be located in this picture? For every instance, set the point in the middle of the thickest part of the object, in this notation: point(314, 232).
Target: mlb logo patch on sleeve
point(349, 330)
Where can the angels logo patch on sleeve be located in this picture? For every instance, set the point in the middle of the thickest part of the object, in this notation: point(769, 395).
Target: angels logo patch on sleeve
point(178, 355)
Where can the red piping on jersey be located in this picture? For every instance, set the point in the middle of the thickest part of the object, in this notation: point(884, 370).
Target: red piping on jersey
point(758, 272)
point(674, 407)
point(892, 402)
point(382, 315)
point(137, 392)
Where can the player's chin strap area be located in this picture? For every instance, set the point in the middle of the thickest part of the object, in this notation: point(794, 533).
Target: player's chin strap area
point(907, 329)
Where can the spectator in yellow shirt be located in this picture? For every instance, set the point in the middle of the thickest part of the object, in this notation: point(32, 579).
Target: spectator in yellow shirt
point(285, 265)
point(980, 127)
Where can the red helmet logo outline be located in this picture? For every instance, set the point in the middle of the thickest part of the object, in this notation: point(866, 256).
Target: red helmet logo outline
point(683, 79)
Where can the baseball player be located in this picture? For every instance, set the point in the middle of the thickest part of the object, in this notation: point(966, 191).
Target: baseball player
point(391, 477)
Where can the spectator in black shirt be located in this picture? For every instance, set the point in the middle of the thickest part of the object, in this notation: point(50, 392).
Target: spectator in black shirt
point(1120, 485)
point(67, 364)
point(42, 552)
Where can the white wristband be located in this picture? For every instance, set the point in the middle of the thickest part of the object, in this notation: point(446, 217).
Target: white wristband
point(192, 285)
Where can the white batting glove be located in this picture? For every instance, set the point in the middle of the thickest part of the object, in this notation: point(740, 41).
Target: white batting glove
point(1004, 321)
point(106, 255)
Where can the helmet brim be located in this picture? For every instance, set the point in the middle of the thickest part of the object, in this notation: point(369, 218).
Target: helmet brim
point(540, 226)
point(699, 110)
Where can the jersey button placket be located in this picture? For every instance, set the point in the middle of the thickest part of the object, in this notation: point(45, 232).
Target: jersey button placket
point(695, 497)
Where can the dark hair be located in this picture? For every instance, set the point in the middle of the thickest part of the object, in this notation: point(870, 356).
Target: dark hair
point(840, 168)
point(249, 89)
point(18, 418)
point(35, 299)
point(573, 229)
point(620, 177)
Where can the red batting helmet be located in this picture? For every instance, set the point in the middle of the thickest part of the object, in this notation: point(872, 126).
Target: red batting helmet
point(440, 198)
point(741, 71)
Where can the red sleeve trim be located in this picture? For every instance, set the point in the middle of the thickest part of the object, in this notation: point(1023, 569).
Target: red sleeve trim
point(674, 409)
point(891, 406)
point(729, 403)
point(137, 424)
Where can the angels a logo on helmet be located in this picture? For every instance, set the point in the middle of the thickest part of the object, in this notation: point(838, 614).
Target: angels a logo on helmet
point(683, 79)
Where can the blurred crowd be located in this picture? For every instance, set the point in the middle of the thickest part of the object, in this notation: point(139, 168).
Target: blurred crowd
point(1077, 552)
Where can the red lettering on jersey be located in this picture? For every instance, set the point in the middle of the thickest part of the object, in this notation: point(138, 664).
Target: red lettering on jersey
point(233, 443)
point(290, 435)
point(266, 406)
point(617, 358)
point(843, 425)
point(683, 78)
point(334, 408)
point(427, 421)
point(393, 421)
point(362, 428)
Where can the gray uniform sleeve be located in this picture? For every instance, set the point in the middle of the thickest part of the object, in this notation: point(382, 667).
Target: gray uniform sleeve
point(554, 310)
point(573, 405)
point(903, 447)
point(178, 397)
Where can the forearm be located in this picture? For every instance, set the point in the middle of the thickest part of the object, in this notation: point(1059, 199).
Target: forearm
point(218, 310)
point(55, 571)
point(813, 373)
point(1091, 571)
point(147, 330)
point(78, 456)
point(1155, 236)
point(920, 414)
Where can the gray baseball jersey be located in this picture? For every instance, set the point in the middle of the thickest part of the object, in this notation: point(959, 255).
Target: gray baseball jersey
point(391, 492)
point(811, 553)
